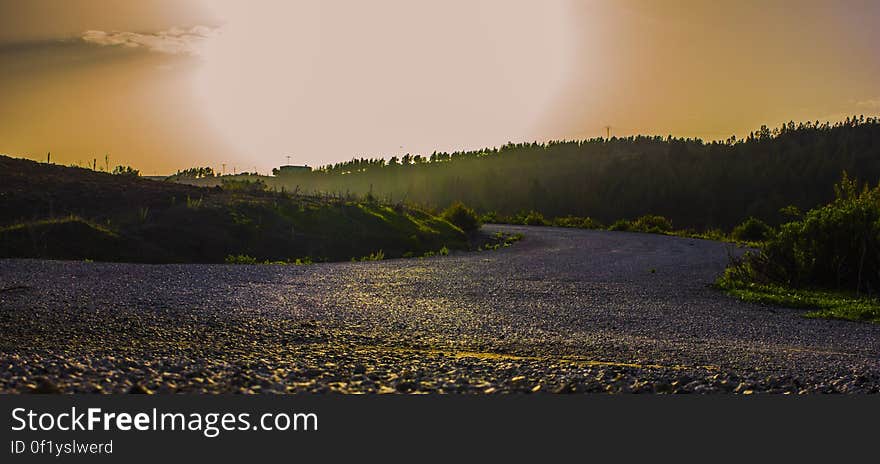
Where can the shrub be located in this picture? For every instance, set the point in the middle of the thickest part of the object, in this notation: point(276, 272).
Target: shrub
point(125, 171)
point(790, 211)
point(621, 225)
point(241, 259)
point(376, 256)
point(566, 221)
point(246, 186)
point(577, 222)
point(652, 223)
point(461, 216)
point(836, 246)
point(193, 173)
point(752, 230)
point(490, 217)
point(648, 223)
point(370, 198)
point(535, 218)
point(715, 234)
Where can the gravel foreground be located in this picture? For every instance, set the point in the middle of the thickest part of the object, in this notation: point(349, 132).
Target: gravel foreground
point(563, 311)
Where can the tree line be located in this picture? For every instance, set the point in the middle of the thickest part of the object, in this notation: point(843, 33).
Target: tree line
point(695, 184)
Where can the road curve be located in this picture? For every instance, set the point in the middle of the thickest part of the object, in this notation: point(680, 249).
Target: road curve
point(564, 310)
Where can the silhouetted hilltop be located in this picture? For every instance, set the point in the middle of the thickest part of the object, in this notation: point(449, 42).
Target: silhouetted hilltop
point(30, 190)
point(50, 211)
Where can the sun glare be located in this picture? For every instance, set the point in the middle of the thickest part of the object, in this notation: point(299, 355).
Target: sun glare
point(326, 81)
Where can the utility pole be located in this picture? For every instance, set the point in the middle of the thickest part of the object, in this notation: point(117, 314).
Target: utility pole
point(94, 164)
point(288, 160)
point(608, 132)
point(107, 162)
point(49, 158)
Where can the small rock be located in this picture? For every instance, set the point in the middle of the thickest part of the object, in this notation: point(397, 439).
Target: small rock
point(138, 389)
point(46, 387)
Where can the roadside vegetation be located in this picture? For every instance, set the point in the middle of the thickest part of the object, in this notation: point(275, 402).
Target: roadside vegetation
point(827, 260)
point(752, 232)
point(498, 241)
point(487, 242)
point(465, 218)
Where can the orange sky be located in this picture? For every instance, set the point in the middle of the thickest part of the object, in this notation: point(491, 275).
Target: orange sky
point(168, 84)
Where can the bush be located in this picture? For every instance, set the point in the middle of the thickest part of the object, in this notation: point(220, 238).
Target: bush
point(653, 224)
point(715, 234)
point(246, 186)
point(126, 171)
point(377, 256)
point(461, 216)
point(241, 259)
point(577, 222)
point(590, 223)
point(535, 218)
point(648, 223)
point(192, 173)
point(491, 217)
point(752, 230)
point(790, 211)
point(836, 246)
point(621, 225)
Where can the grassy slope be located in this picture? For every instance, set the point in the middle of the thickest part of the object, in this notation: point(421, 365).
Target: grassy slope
point(822, 303)
point(49, 211)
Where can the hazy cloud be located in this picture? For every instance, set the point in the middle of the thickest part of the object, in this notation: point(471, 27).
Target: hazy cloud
point(175, 41)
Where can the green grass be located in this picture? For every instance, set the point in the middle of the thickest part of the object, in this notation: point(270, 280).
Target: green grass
point(69, 237)
point(499, 240)
point(715, 236)
point(822, 303)
point(375, 256)
point(250, 260)
point(648, 224)
point(241, 259)
point(69, 219)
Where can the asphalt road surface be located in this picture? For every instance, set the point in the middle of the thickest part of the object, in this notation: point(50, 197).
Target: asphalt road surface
point(563, 310)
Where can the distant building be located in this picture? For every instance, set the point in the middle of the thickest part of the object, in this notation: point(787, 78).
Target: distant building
point(290, 169)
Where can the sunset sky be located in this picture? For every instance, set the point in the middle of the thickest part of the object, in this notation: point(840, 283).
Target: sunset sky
point(168, 84)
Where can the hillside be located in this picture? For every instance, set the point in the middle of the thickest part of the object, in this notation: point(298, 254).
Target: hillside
point(694, 183)
point(50, 211)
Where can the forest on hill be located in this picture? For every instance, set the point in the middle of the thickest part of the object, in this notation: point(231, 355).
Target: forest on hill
point(694, 183)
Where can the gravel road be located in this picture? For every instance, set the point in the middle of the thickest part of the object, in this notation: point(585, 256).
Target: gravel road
point(563, 310)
